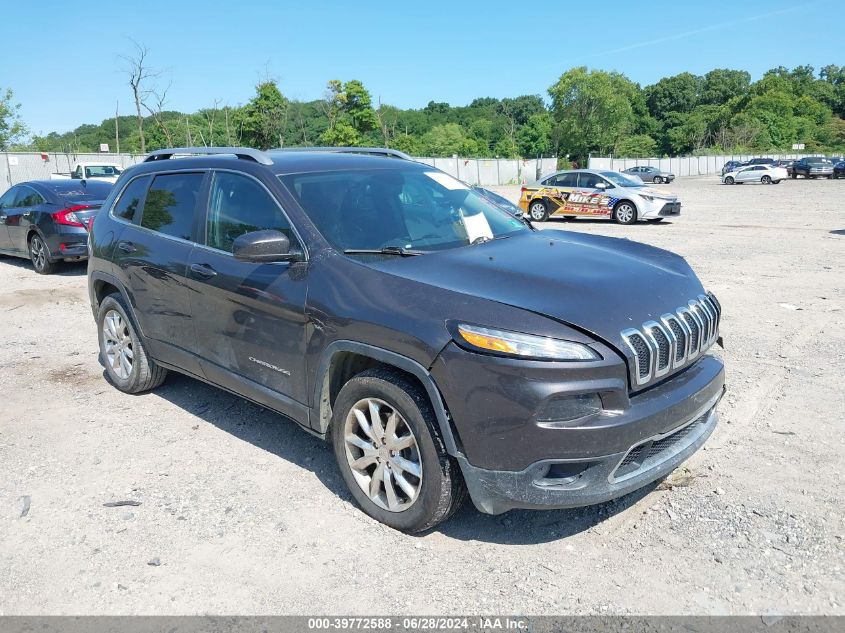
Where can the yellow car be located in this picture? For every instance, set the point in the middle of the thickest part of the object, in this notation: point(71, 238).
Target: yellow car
point(597, 194)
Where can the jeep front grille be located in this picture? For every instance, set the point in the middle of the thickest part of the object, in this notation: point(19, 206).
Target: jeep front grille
point(673, 341)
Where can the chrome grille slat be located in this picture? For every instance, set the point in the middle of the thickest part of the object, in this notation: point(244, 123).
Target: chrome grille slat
point(673, 341)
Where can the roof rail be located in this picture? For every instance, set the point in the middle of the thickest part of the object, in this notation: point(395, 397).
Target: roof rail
point(243, 153)
point(374, 151)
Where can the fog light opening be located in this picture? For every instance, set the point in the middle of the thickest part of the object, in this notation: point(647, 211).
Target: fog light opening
point(562, 474)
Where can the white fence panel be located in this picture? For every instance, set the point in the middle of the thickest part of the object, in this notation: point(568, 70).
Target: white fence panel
point(681, 165)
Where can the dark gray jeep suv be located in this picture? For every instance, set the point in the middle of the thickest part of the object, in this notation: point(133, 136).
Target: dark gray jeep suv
point(442, 345)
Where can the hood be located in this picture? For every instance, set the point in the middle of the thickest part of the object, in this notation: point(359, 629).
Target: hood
point(601, 285)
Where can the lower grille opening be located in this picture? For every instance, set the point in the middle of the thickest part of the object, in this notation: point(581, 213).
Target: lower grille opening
point(653, 452)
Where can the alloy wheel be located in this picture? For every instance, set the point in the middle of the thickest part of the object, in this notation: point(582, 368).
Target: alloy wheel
point(625, 213)
point(117, 344)
point(37, 252)
point(382, 454)
point(538, 211)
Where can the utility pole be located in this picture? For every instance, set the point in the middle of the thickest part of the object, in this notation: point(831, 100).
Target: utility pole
point(116, 129)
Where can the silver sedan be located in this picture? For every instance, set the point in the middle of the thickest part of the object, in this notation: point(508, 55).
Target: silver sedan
point(647, 173)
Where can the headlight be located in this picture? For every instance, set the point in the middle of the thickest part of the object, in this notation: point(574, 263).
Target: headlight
point(523, 345)
point(645, 197)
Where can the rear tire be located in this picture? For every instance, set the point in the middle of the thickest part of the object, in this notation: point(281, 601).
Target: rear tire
point(538, 211)
point(39, 255)
point(794, 175)
point(625, 212)
point(439, 490)
point(133, 372)
point(766, 180)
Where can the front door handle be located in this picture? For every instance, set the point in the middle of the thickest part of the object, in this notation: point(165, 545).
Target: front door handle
point(203, 271)
point(126, 247)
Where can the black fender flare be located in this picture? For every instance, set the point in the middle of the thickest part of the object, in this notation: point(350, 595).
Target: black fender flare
point(99, 275)
point(322, 410)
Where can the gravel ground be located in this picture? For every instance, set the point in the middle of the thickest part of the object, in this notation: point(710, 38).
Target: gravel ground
point(240, 512)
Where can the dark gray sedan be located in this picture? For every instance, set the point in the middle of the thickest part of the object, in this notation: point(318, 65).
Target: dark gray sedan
point(46, 221)
point(647, 173)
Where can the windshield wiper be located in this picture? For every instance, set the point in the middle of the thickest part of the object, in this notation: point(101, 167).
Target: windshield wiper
point(387, 250)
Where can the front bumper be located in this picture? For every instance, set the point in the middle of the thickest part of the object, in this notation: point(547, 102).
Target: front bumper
point(660, 208)
point(555, 484)
point(512, 457)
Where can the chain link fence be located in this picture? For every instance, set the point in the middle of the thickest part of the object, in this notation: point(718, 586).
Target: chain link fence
point(18, 167)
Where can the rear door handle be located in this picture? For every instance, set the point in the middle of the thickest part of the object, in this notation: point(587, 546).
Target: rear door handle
point(126, 247)
point(203, 271)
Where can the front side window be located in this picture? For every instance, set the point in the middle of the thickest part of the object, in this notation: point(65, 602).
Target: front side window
point(405, 207)
point(170, 203)
point(238, 205)
point(130, 200)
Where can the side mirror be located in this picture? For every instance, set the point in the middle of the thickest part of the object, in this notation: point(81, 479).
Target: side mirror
point(264, 246)
point(601, 185)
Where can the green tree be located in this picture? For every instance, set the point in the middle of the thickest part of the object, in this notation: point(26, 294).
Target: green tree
point(443, 140)
point(535, 137)
point(639, 145)
point(722, 85)
point(680, 93)
point(593, 110)
point(264, 118)
point(12, 128)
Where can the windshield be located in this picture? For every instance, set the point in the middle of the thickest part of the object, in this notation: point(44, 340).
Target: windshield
point(95, 171)
point(620, 180)
point(406, 207)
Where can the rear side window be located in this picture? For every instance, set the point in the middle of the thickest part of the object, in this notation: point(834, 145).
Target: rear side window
point(563, 180)
point(239, 205)
point(131, 199)
point(28, 198)
point(170, 202)
point(8, 199)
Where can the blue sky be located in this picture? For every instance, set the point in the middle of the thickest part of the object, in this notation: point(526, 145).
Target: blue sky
point(64, 62)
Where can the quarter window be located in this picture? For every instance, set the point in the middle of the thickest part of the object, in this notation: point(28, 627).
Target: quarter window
point(8, 199)
point(239, 205)
point(169, 206)
point(131, 199)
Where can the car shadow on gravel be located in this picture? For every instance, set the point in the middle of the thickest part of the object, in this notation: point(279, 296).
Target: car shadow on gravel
point(63, 269)
point(276, 434)
point(263, 428)
point(529, 527)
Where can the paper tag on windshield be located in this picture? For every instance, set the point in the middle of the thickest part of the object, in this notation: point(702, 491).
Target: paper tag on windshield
point(446, 180)
point(477, 226)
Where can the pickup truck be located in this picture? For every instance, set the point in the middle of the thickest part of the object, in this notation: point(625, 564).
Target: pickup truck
point(84, 171)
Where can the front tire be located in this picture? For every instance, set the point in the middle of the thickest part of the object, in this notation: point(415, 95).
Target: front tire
point(657, 180)
point(729, 180)
point(390, 453)
point(128, 366)
point(538, 211)
point(39, 255)
point(625, 212)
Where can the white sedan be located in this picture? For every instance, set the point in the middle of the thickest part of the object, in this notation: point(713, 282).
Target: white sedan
point(766, 174)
